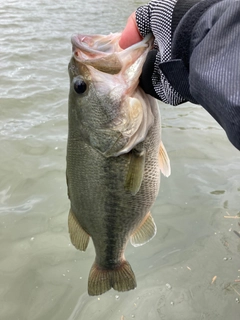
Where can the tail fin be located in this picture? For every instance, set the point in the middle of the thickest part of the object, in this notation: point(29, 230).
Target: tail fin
point(121, 278)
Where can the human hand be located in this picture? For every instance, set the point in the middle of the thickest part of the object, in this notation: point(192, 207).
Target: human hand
point(130, 34)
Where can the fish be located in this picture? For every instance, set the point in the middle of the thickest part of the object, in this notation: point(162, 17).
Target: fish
point(114, 156)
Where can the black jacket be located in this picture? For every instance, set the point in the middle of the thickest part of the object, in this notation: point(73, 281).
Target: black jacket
point(197, 58)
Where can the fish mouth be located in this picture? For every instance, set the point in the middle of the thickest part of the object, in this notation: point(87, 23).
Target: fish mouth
point(96, 45)
point(104, 53)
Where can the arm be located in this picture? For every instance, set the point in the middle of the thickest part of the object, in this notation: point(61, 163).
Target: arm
point(195, 57)
point(157, 18)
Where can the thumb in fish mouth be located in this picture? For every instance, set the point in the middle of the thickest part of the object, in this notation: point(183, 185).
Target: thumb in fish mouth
point(120, 278)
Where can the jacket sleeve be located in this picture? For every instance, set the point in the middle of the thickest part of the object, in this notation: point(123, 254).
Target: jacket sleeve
point(156, 17)
point(206, 43)
point(196, 56)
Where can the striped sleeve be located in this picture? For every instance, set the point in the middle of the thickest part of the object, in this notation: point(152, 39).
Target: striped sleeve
point(156, 17)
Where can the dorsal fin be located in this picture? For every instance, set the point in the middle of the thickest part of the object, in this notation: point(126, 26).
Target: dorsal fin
point(164, 162)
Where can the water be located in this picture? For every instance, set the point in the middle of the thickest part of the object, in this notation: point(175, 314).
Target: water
point(188, 271)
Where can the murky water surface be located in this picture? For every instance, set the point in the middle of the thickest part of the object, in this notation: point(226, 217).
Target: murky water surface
point(189, 271)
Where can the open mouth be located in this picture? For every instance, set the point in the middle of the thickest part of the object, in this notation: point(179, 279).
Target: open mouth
point(103, 53)
point(96, 44)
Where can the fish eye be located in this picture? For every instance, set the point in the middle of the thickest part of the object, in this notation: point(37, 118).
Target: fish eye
point(80, 86)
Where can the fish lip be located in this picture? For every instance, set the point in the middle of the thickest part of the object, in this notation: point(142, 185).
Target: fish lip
point(95, 44)
point(78, 43)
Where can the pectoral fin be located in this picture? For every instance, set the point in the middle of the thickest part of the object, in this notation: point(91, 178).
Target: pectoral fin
point(135, 172)
point(78, 236)
point(145, 232)
point(164, 162)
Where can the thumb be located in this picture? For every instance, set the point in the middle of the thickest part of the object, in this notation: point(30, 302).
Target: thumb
point(130, 34)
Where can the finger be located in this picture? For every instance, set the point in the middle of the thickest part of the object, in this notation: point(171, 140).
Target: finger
point(130, 34)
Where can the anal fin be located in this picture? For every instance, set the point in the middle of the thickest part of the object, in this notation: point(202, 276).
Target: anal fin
point(120, 278)
point(78, 236)
point(145, 232)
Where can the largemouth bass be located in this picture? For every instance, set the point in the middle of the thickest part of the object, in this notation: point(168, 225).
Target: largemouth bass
point(114, 156)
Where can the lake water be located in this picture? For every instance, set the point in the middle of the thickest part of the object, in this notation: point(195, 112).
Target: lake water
point(189, 271)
